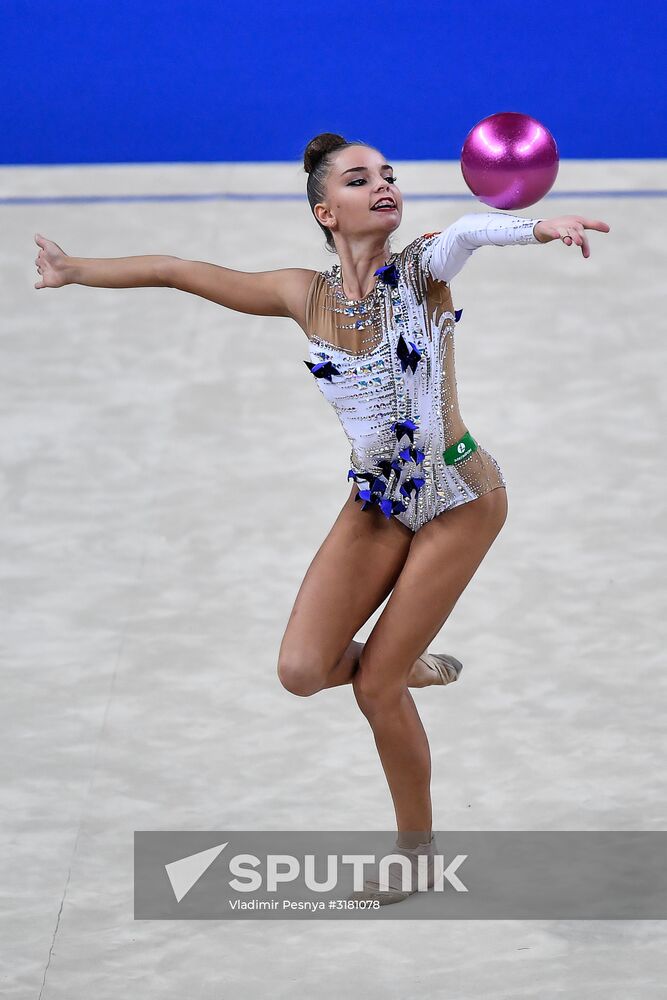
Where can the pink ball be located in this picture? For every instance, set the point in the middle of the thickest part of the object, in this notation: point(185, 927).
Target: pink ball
point(509, 160)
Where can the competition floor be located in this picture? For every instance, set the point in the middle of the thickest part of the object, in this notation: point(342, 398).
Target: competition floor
point(169, 470)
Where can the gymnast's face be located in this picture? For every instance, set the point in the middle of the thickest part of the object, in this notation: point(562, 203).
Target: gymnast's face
point(352, 193)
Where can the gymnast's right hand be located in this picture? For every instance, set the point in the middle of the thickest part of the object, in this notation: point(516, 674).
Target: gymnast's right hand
point(52, 264)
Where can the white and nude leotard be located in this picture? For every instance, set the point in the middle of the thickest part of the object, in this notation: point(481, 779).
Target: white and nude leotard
point(386, 365)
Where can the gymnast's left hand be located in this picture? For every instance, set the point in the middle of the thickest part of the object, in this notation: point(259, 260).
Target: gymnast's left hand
point(569, 229)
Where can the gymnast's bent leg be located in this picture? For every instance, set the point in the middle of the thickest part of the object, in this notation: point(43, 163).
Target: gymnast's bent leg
point(350, 576)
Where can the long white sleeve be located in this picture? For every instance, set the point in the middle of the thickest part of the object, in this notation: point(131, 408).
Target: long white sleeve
point(446, 254)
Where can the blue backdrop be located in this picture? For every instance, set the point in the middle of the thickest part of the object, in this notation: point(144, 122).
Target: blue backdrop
point(203, 80)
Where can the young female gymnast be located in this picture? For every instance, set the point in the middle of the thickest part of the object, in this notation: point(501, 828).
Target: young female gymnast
point(426, 499)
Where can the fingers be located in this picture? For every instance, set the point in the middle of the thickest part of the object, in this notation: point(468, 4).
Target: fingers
point(39, 240)
point(579, 220)
point(577, 236)
point(38, 258)
point(602, 227)
point(574, 234)
point(571, 230)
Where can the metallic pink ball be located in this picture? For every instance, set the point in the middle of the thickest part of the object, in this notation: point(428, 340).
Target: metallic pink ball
point(509, 160)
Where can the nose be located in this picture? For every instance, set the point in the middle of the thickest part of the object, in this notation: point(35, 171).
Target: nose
point(383, 187)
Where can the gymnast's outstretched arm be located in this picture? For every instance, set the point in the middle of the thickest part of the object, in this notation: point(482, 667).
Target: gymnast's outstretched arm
point(262, 293)
point(448, 252)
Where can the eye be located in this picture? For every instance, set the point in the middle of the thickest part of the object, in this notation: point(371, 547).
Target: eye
point(362, 180)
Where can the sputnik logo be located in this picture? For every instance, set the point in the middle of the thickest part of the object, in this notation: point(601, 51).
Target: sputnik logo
point(185, 872)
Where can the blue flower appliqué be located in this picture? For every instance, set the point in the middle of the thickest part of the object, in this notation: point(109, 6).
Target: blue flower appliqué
point(374, 494)
point(411, 485)
point(408, 358)
point(414, 454)
point(401, 427)
point(323, 369)
point(388, 274)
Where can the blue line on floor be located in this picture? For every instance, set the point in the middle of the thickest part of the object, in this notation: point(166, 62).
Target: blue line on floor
point(231, 196)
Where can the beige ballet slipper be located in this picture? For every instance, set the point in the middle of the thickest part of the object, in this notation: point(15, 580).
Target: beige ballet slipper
point(391, 891)
point(446, 667)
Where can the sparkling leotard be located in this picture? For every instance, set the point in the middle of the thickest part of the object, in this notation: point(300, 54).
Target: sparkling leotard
point(389, 374)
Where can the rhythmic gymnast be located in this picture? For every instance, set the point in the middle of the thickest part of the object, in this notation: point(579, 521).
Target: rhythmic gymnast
point(426, 499)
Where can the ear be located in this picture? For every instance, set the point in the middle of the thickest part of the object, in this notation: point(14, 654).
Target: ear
point(323, 215)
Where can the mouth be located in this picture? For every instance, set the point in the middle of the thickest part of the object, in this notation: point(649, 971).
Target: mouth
point(384, 205)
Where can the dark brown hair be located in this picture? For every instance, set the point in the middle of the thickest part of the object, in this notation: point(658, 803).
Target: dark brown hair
point(317, 162)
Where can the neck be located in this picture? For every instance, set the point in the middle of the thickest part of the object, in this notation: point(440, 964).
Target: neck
point(359, 259)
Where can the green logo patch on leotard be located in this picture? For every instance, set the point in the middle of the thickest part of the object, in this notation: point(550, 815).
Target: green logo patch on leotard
point(460, 449)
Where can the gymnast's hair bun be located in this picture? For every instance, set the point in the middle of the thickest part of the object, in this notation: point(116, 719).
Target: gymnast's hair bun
point(318, 147)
